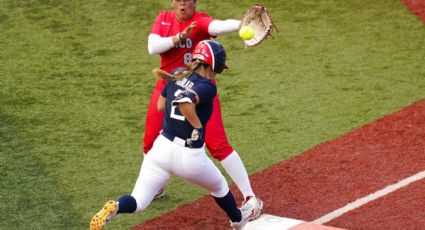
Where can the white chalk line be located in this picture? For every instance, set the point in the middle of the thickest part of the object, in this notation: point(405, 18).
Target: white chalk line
point(373, 196)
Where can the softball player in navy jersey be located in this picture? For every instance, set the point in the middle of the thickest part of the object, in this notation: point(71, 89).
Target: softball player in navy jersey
point(179, 149)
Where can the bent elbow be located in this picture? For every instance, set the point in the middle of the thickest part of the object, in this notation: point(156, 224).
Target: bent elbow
point(151, 50)
point(160, 108)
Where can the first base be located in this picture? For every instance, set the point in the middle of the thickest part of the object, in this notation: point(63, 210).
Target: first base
point(270, 222)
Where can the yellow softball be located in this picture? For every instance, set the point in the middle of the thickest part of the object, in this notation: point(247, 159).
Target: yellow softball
point(246, 32)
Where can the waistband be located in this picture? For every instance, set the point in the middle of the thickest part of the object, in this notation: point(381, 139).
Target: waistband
point(175, 139)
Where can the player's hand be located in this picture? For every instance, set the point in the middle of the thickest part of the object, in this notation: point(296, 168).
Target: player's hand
point(196, 140)
point(187, 31)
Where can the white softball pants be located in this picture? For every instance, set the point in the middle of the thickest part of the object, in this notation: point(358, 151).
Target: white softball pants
point(167, 158)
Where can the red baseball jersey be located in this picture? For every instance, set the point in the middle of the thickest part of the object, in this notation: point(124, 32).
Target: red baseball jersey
point(166, 25)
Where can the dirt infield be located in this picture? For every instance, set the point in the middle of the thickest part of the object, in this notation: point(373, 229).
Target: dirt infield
point(335, 173)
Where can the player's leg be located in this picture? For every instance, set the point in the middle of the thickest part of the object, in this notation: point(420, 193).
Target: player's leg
point(195, 166)
point(155, 172)
point(151, 178)
point(153, 124)
point(219, 147)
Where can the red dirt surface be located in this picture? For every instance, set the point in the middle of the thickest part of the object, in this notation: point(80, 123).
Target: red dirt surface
point(417, 7)
point(402, 209)
point(332, 174)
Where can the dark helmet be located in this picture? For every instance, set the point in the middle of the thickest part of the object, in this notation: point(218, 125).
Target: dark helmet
point(212, 53)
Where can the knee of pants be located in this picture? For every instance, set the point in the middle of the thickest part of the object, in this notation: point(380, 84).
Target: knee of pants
point(222, 189)
point(151, 179)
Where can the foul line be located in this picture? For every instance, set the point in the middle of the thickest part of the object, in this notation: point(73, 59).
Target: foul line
point(373, 196)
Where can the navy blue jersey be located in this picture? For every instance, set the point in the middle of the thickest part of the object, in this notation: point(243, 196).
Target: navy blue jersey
point(174, 122)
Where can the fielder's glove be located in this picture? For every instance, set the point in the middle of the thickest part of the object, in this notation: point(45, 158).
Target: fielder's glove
point(197, 138)
point(260, 20)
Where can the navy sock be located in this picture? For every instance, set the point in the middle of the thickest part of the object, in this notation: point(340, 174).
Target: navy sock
point(228, 204)
point(126, 204)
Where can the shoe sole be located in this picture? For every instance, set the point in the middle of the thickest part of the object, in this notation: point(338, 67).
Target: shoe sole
point(98, 222)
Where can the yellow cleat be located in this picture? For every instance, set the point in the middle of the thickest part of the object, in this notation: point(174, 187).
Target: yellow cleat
point(109, 211)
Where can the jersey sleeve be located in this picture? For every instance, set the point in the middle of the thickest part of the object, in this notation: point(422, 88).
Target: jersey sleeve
point(156, 26)
point(204, 22)
point(206, 91)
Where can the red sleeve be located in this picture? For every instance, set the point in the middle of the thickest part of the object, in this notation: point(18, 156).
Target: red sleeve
point(204, 22)
point(156, 27)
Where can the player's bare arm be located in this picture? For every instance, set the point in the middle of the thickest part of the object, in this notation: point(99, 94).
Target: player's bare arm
point(161, 103)
point(184, 34)
point(189, 112)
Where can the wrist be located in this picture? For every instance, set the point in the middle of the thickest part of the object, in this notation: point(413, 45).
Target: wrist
point(196, 139)
point(176, 39)
point(180, 37)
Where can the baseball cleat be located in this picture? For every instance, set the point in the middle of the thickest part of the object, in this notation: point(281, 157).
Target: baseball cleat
point(256, 203)
point(160, 194)
point(109, 211)
point(250, 210)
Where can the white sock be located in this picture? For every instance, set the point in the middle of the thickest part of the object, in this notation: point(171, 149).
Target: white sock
point(236, 170)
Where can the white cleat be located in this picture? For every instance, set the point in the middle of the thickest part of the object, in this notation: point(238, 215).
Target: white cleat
point(250, 210)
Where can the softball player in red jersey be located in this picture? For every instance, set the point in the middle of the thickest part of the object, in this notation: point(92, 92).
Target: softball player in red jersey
point(173, 36)
point(179, 149)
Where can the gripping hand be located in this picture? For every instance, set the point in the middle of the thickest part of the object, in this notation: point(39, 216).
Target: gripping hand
point(197, 138)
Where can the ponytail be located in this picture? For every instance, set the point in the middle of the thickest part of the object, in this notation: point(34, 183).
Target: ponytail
point(180, 74)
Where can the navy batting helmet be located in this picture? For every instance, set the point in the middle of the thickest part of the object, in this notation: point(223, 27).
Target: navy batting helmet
point(212, 53)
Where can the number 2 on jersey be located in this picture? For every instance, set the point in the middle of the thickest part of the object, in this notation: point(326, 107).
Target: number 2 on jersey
point(173, 113)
